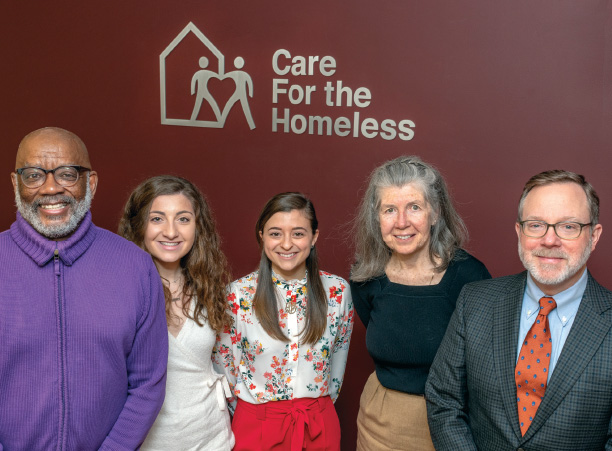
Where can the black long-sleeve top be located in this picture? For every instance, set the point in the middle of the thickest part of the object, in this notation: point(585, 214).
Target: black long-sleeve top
point(405, 324)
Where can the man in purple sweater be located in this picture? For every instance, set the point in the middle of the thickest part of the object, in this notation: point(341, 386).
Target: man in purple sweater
point(83, 334)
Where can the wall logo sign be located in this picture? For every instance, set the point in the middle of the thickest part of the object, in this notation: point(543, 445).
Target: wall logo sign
point(200, 85)
point(197, 100)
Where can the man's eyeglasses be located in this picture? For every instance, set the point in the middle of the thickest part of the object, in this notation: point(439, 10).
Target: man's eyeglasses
point(564, 230)
point(33, 177)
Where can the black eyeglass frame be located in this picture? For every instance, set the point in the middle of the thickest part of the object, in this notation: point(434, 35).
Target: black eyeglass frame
point(554, 226)
point(52, 171)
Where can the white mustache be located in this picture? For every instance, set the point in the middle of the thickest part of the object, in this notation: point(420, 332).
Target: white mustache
point(49, 200)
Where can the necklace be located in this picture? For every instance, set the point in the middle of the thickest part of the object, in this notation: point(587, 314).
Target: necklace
point(291, 305)
point(411, 276)
point(176, 293)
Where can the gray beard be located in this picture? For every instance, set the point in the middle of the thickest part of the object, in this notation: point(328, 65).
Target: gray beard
point(564, 275)
point(29, 212)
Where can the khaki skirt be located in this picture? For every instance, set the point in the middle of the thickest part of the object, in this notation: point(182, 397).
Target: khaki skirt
point(391, 420)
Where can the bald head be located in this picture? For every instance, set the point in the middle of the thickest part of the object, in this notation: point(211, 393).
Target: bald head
point(51, 143)
point(55, 209)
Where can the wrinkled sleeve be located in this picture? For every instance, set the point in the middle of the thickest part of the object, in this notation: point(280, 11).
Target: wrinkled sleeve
point(226, 348)
point(146, 367)
point(446, 389)
point(344, 323)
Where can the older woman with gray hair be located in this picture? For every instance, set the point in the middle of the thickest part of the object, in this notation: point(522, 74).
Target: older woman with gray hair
point(408, 272)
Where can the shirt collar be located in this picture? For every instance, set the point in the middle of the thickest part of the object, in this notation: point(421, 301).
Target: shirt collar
point(567, 301)
point(278, 280)
point(41, 249)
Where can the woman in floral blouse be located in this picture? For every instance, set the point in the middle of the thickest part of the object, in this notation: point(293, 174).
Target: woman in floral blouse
point(286, 351)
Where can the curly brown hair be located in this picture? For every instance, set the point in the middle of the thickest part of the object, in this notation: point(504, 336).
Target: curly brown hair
point(204, 267)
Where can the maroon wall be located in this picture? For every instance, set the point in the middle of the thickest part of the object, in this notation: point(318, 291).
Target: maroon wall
point(497, 92)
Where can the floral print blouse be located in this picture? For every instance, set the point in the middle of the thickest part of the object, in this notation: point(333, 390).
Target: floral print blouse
point(260, 368)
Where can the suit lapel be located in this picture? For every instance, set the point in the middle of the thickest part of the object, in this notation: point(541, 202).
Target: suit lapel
point(588, 331)
point(505, 340)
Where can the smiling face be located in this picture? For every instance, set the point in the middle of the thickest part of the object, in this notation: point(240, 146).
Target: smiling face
point(287, 238)
point(171, 229)
point(405, 220)
point(53, 210)
point(556, 264)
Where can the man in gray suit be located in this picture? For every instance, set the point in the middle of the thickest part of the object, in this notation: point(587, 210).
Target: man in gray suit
point(526, 362)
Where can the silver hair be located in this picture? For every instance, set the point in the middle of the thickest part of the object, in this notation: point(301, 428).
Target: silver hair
point(448, 234)
point(29, 212)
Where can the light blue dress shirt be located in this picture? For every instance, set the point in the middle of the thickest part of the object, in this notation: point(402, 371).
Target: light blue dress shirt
point(560, 320)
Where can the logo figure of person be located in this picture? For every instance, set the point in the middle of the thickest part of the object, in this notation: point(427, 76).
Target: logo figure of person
point(200, 78)
point(242, 81)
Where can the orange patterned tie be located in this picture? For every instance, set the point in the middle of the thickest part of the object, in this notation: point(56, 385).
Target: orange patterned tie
point(531, 371)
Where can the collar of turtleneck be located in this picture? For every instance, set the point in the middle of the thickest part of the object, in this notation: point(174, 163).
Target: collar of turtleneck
point(41, 249)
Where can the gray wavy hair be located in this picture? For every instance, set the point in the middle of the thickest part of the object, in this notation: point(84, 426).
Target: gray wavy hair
point(448, 234)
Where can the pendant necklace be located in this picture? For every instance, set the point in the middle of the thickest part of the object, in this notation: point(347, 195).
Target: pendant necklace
point(291, 306)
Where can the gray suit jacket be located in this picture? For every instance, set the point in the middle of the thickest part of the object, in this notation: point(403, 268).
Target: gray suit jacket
point(471, 393)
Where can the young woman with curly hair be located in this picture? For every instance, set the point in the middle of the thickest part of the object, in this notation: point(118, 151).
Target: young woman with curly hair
point(168, 217)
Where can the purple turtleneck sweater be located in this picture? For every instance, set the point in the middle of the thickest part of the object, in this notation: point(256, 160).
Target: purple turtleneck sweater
point(83, 341)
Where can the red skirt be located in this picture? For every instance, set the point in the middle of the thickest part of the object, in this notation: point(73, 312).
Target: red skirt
point(299, 424)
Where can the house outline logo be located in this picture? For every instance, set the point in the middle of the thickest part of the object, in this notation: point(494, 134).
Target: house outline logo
point(199, 85)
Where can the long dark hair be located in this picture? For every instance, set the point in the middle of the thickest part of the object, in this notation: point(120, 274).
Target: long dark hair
point(265, 300)
point(204, 267)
